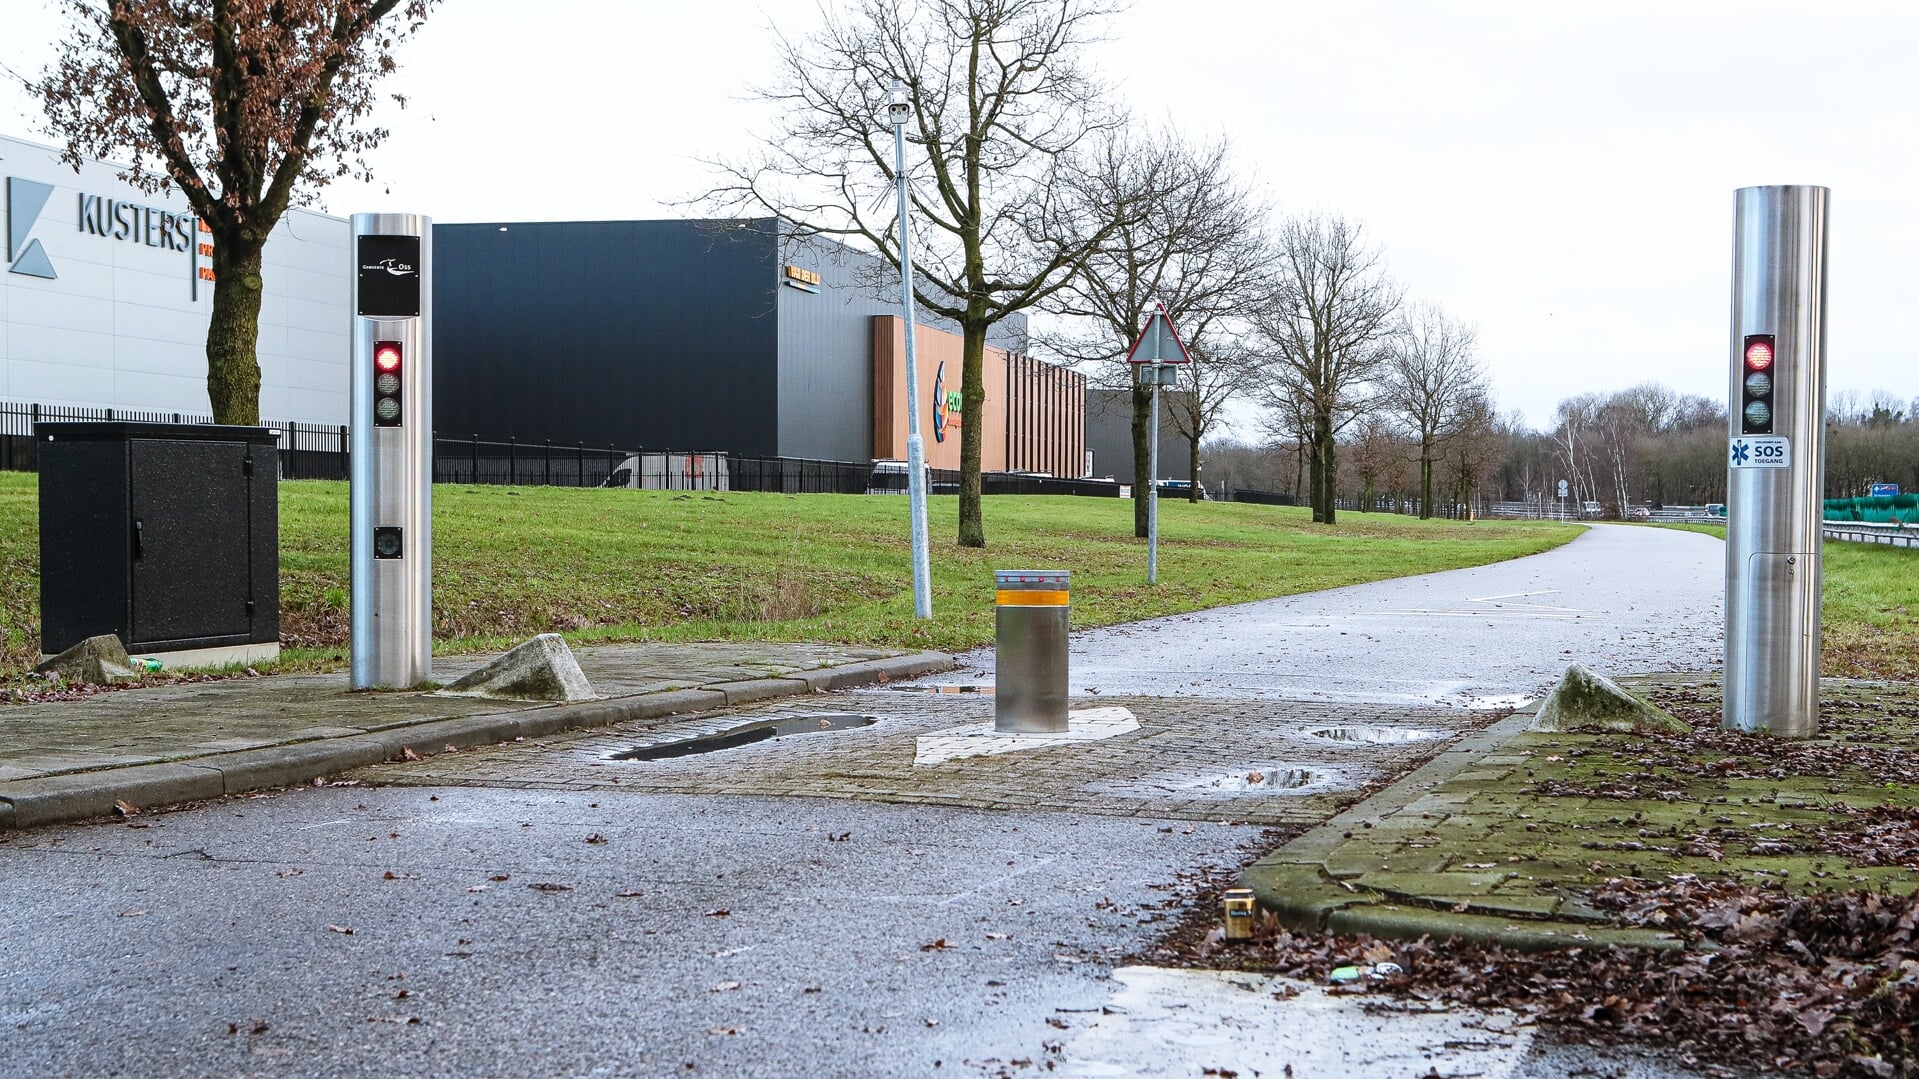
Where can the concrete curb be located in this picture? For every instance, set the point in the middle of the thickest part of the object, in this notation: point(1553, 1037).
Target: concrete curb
point(1295, 884)
point(82, 795)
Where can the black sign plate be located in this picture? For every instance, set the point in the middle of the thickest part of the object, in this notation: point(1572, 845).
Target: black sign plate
point(389, 276)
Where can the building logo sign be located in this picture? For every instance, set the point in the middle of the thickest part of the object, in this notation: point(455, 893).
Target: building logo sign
point(803, 279)
point(939, 403)
point(947, 405)
point(25, 200)
point(107, 218)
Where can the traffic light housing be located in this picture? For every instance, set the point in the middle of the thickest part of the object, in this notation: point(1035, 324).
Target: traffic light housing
point(1756, 382)
point(386, 384)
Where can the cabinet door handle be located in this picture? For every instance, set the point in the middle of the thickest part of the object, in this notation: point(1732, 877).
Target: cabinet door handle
point(139, 537)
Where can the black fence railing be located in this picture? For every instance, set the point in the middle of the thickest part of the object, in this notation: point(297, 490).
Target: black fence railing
point(1261, 498)
point(313, 451)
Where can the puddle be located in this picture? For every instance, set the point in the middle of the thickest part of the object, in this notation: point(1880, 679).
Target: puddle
point(1258, 780)
point(1376, 736)
point(747, 734)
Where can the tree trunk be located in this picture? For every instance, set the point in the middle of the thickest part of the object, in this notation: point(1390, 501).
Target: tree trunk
point(972, 523)
point(1142, 453)
point(1192, 473)
point(233, 334)
point(1425, 478)
point(1325, 469)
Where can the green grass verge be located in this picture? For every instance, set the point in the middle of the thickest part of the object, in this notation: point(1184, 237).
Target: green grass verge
point(654, 565)
point(1869, 613)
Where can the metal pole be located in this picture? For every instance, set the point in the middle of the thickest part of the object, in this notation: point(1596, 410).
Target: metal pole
point(1776, 463)
point(391, 451)
point(898, 112)
point(1152, 484)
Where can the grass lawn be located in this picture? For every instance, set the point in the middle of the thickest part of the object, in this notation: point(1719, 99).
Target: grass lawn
point(655, 565)
point(1869, 615)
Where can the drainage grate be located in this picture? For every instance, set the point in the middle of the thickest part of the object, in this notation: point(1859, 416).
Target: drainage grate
point(747, 734)
point(1376, 736)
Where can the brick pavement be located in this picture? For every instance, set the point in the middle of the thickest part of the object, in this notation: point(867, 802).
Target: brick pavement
point(1189, 759)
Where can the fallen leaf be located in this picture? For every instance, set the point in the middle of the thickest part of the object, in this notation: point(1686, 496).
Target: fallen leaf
point(596, 838)
point(500, 876)
point(549, 886)
point(634, 894)
point(939, 945)
point(134, 913)
point(725, 987)
point(720, 912)
point(331, 928)
point(407, 754)
point(722, 1030)
point(284, 873)
point(477, 888)
point(125, 808)
point(995, 936)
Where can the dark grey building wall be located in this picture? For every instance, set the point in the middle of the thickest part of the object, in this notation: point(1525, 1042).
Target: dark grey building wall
point(826, 351)
point(826, 347)
point(655, 334)
point(660, 335)
point(1109, 434)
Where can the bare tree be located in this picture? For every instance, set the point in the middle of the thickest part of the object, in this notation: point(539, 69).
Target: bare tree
point(1222, 371)
point(1324, 329)
point(1002, 110)
point(1430, 376)
point(1194, 243)
point(244, 105)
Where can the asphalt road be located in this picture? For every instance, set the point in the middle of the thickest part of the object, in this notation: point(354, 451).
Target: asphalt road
point(1621, 598)
point(736, 935)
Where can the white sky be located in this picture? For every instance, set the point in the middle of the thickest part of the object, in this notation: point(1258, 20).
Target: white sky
point(1562, 178)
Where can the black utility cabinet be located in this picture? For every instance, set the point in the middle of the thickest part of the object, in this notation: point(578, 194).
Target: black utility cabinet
point(165, 534)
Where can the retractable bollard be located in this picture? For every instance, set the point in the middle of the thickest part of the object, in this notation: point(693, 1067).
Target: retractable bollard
point(1030, 650)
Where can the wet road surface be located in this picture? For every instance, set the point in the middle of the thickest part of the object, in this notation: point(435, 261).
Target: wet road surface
point(1621, 598)
point(539, 918)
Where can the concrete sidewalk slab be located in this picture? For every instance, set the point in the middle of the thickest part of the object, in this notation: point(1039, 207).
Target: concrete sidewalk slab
point(1367, 870)
point(69, 760)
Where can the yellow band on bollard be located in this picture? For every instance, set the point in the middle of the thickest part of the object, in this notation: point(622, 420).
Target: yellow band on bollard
point(1032, 597)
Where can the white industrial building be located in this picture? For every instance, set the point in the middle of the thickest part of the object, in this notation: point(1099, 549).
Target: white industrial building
point(107, 295)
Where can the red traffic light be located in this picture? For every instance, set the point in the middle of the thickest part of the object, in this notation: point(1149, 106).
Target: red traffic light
point(386, 384)
point(1759, 352)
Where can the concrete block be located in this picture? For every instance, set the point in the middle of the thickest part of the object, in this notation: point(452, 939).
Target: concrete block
point(100, 660)
point(542, 669)
point(1585, 700)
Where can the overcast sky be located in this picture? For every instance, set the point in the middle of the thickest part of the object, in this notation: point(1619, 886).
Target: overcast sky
point(1562, 178)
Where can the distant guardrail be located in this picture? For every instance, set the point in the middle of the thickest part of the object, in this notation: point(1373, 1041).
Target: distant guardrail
point(1896, 535)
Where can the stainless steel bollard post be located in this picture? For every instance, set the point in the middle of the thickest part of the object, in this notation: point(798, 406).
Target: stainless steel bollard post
point(1030, 650)
point(1777, 461)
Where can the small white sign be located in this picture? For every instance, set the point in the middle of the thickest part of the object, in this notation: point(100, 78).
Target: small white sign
point(1761, 451)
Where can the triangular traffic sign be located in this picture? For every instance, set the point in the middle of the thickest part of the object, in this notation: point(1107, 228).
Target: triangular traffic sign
point(1159, 342)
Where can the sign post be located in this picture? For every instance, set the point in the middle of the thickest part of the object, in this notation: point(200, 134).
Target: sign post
point(898, 111)
point(391, 451)
point(1156, 357)
point(1776, 460)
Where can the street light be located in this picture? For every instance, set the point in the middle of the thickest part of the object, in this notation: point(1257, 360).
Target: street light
point(898, 110)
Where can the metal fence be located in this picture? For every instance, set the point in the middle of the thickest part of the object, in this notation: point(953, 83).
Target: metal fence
point(1896, 534)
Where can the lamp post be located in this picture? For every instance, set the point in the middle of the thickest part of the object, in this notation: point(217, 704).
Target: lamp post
point(898, 111)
